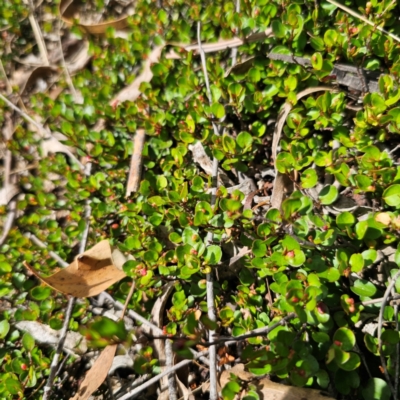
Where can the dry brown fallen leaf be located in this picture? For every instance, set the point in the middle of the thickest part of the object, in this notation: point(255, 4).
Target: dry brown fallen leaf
point(88, 275)
point(69, 11)
point(97, 374)
point(269, 390)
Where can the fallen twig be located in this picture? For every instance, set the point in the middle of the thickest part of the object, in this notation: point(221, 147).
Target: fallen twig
point(37, 33)
point(135, 169)
point(70, 307)
point(71, 86)
point(11, 214)
point(54, 363)
point(40, 128)
point(156, 378)
point(42, 245)
point(234, 50)
point(380, 324)
point(210, 235)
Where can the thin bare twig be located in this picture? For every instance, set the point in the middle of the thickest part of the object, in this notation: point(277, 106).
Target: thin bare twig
point(256, 332)
point(8, 179)
point(128, 299)
point(362, 18)
point(11, 215)
point(228, 340)
point(234, 49)
point(380, 324)
point(60, 346)
point(37, 32)
point(209, 276)
point(71, 303)
point(71, 86)
point(135, 169)
point(42, 245)
point(3, 71)
point(39, 127)
point(131, 394)
point(397, 360)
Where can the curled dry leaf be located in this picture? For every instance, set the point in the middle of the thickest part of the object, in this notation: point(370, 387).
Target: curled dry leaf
point(88, 275)
point(39, 80)
point(43, 334)
point(97, 374)
point(269, 390)
point(69, 11)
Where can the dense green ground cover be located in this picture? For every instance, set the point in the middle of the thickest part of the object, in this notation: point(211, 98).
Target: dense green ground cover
point(327, 250)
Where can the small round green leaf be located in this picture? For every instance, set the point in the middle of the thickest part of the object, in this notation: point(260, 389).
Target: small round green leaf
point(213, 255)
point(364, 288)
point(28, 342)
point(218, 110)
point(317, 61)
point(4, 328)
point(328, 195)
point(309, 178)
point(345, 219)
point(344, 338)
point(376, 389)
point(391, 196)
point(356, 262)
point(278, 28)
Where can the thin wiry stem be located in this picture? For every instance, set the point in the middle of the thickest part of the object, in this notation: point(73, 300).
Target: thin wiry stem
point(39, 127)
point(3, 71)
point(397, 360)
point(64, 65)
point(37, 33)
point(54, 363)
point(42, 245)
point(380, 324)
point(264, 330)
point(71, 303)
point(209, 239)
point(131, 394)
point(234, 50)
point(366, 20)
